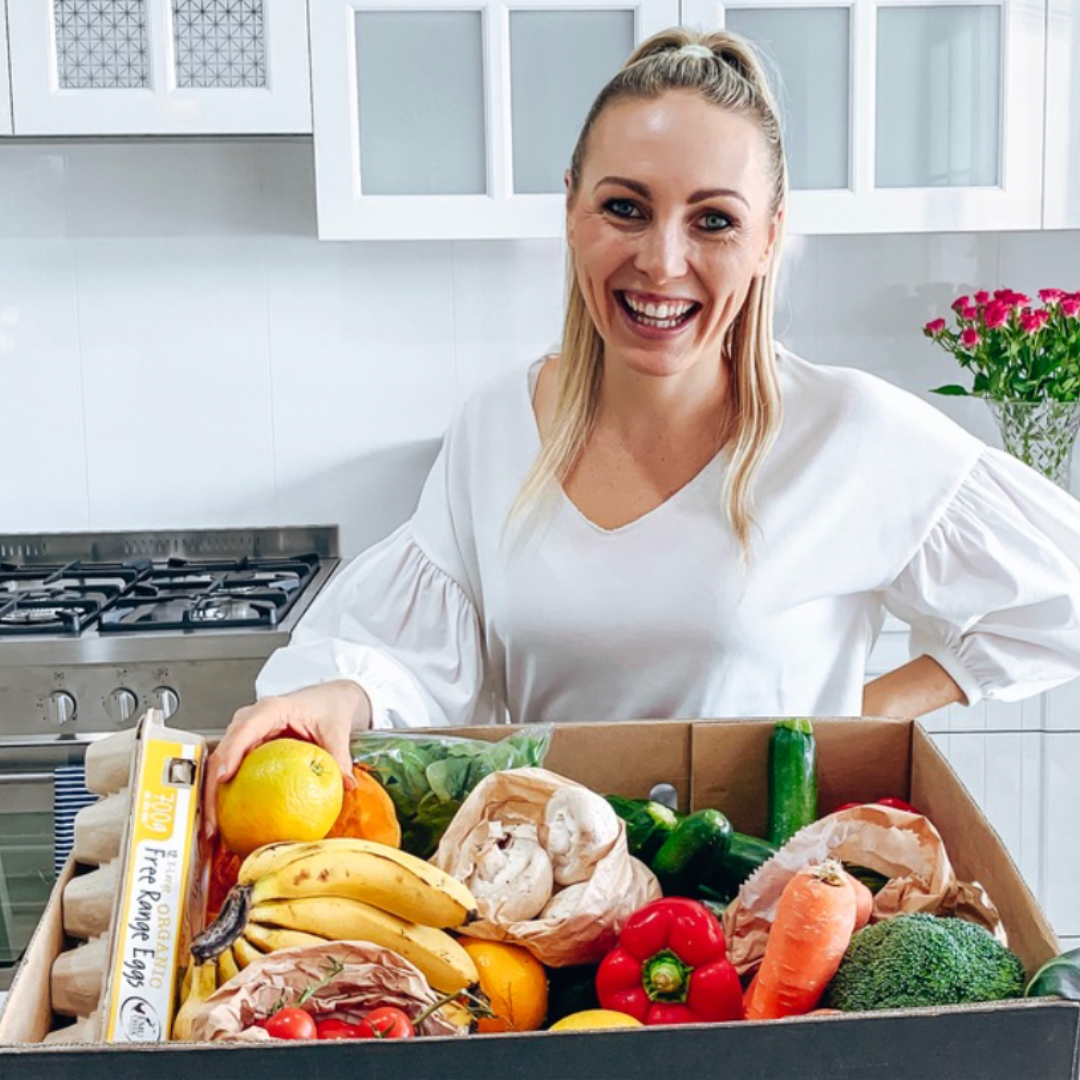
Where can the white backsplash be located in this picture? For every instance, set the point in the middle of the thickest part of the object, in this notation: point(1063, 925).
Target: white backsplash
point(177, 349)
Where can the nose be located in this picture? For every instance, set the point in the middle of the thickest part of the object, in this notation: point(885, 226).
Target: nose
point(662, 254)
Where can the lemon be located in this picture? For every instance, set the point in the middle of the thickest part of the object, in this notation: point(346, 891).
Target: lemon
point(514, 981)
point(595, 1018)
point(285, 789)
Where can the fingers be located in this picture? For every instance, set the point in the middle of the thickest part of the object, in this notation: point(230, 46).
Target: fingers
point(335, 740)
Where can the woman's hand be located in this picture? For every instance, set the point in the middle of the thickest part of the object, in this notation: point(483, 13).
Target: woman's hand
point(326, 714)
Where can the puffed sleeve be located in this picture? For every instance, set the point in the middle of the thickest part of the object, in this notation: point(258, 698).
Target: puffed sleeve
point(399, 621)
point(993, 591)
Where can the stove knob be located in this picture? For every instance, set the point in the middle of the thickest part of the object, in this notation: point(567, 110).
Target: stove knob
point(166, 699)
point(61, 707)
point(121, 705)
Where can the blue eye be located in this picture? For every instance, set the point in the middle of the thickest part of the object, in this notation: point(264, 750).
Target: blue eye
point(714, 221)
point(621, 208)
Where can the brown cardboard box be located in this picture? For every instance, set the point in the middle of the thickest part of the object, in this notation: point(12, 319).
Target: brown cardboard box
point(710, 763)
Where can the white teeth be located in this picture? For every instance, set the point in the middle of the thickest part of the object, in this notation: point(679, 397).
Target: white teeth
point(673, 310)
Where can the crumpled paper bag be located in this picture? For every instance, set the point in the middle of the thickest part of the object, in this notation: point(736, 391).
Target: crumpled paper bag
point(371, 976)
point(904, 847)
point(619, 885)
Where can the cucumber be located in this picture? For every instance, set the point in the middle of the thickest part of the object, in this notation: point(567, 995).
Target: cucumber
point(648, 824)
point(793, 784)
point(1059, 976)
point(692, 853)
point(743, 856)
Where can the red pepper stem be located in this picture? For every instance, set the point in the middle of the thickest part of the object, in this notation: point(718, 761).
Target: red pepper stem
point(665, 977)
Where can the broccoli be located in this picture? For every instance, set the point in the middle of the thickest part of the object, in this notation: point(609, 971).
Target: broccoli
point(914, 961)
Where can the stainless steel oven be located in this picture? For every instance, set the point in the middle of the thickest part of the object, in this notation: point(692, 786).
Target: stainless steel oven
point(95, 628)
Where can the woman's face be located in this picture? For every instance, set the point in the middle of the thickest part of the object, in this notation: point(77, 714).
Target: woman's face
point(669, 227)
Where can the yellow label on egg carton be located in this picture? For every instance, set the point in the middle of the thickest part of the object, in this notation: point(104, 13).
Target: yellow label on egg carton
point(151, 919)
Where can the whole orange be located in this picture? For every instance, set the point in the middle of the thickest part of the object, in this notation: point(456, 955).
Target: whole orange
point(285, 789)
point(514, 981)
point(367, 812)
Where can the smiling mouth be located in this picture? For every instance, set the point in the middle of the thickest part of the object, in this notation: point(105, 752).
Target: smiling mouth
point(663, 316)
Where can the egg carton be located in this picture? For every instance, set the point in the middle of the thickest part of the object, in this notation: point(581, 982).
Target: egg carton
point(136, 848)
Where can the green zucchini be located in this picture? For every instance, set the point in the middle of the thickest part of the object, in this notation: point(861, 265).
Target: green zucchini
point(648, 824)
point(793, 783)
point(692, 853)
point(1059, 976)
point(744, 854)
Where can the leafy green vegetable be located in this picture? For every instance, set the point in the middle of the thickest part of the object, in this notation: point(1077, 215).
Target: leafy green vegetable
point(429, 776)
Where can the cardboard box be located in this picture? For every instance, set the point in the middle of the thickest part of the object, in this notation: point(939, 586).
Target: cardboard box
point(710, 763)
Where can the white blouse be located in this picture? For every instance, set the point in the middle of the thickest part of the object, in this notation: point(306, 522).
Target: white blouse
point(870, 501)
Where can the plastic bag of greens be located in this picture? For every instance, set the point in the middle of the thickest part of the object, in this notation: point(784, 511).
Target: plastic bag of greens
point(428, 776)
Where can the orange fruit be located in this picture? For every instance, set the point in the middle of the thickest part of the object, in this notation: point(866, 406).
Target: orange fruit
point(367, 812)
point(285, 789)
point(514, 981)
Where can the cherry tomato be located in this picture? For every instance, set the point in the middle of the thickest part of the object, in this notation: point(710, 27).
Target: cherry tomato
point(291, 1024)
point(896, 804)
point(386, 1022)
point(338, 1029)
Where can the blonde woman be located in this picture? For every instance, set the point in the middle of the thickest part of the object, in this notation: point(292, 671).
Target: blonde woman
point(674, 517)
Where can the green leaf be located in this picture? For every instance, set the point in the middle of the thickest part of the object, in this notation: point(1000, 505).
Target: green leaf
point(952, 390)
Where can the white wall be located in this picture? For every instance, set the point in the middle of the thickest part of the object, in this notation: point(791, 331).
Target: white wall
point(177, 349)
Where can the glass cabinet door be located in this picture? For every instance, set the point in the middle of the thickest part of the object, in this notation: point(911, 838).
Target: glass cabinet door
point(903, 115)
point(444, 119)
point(1062, 208)
point(5, 82)
point(159, 67)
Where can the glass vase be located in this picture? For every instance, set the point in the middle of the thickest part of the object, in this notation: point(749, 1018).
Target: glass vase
point(1041, 434)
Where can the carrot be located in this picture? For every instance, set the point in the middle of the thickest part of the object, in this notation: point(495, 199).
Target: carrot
point(815, 919)
point(864, 901)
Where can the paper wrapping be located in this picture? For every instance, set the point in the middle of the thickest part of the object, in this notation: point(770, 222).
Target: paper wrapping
point(904, 847)
point(585, 933)
point(371, 976)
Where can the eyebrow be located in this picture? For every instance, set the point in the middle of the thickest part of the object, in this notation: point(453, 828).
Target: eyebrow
point(696, 197)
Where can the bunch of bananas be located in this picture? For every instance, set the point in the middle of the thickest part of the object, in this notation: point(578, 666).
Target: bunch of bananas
point(340, 889)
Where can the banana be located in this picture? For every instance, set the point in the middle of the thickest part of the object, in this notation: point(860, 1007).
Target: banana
point(227, 965)
point(382, 876)
point(269, 939)
point(245, 952)
point(268, 859)
point(204, 981)
point(447, 967)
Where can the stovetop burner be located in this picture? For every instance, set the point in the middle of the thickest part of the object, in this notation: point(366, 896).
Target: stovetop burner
point(144, 595)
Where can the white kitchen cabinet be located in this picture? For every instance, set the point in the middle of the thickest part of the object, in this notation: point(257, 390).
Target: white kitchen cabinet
point(904, 115)
point(159, 67)
point(455, 119)
point(5, 81)
point(1062, 209)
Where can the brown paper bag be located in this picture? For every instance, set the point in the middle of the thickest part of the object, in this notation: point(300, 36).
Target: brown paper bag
point(584, 934)
point(906, 848)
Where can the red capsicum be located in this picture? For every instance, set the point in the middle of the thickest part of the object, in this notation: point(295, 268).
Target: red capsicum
point(670, 966)
point(885, 800)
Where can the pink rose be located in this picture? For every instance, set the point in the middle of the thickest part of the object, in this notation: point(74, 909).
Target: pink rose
point(997, 314)
point(1051, 296)
point(969, 338)
point(1033, 321)
point(960, 302)
point(934, 327)
point(982, 296)
point(969, 313)
point(1070, 306)
point(1011, 297)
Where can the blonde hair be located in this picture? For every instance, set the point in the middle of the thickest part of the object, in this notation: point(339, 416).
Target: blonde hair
point(731, 77)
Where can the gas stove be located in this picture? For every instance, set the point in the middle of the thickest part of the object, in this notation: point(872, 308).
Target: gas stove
point(96, 627)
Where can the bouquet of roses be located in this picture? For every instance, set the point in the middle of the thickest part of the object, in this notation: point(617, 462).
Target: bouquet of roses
point(1017, 351)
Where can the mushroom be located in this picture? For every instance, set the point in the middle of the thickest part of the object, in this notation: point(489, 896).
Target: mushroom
point(512, 874)
point(579, 829)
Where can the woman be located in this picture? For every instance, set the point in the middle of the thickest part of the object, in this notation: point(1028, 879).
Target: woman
point(673, 517)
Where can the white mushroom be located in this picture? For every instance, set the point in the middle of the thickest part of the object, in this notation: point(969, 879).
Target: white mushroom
point(512, 875)
point(565, 902)
point(579, 829)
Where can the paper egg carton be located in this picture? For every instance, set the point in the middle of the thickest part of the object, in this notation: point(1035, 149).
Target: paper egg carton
point(129, 771)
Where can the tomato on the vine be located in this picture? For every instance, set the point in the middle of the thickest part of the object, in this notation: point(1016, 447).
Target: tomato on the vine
point(386, 1022)
point(291, 1024)
point(338, 1029)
